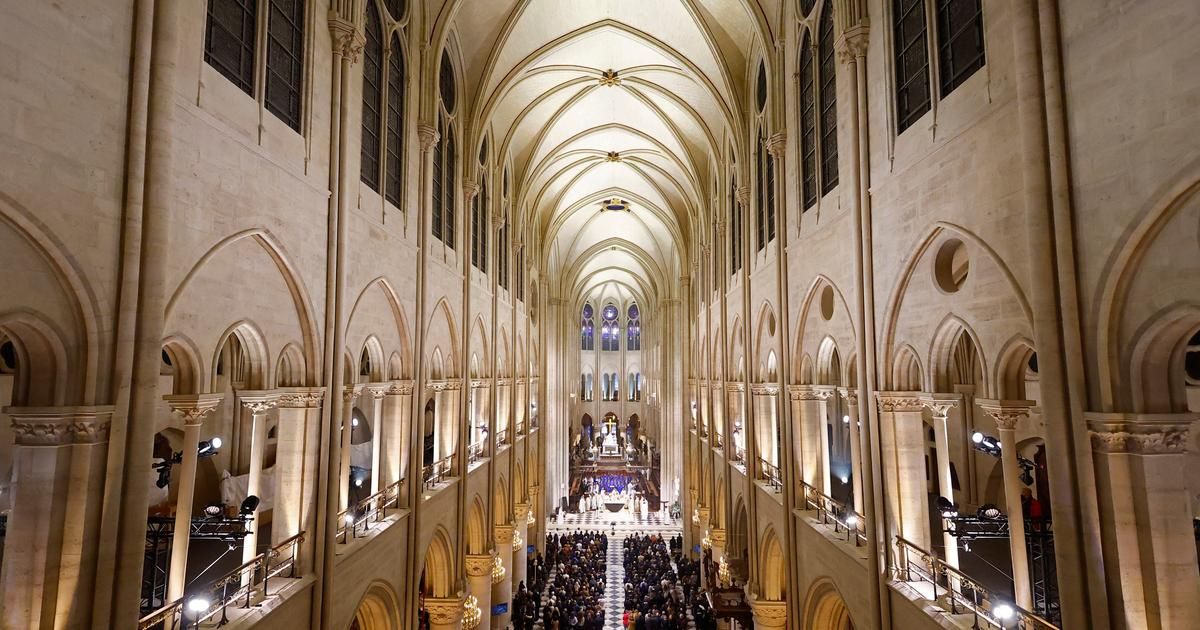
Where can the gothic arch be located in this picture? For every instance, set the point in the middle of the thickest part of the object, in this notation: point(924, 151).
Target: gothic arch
point(825, 609)
point(42, 376)
point(477, 527)
point(772, 567)
point(379, 608)
point(439, 565)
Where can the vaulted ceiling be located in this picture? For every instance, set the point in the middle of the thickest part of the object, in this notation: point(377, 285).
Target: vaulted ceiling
point(593, 100)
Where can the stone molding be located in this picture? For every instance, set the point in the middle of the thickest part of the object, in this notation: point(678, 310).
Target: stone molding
point(734, 388)
point(301, 397)
point(470, 190)
point(258, 402)
point(704, 512)
point(479, 565)
point(717, 537)
point(376, 390)
point(504, 381)
point(480, 383)
point(400, 388)
point(520, 512)
point(193, 408)
point(444, 610)
point(804, 392)
point(892, 402)
point(348, 38)
point(764, 389)
point(777, 144)
point(853, 42)
point(1007, 413)
point(743, 196)
point(825, 392)
point(428, 135)
point(59, 426)
point(445, 385)
point(848, 394)
point(1140, 434)
point(504, 534)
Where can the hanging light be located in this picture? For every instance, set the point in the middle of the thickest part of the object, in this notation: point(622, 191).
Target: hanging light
point(471, 614)
point(498, 570)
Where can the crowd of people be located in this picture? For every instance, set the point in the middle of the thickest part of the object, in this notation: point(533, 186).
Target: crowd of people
point(655, 599)
point(573, 596)
point(528, 599)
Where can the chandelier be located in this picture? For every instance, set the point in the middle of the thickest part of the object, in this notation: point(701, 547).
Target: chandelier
point(471, 614)
point(723, 572)
point(498, 570)
point(517, 540)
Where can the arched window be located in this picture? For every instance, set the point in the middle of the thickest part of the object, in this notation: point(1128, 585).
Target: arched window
point(766, 193)
point(230, 47)
point(372, 99)
point(829, 149)
point(285, 60)
point(604, 387)
point(616, 386)
point(395, 124)
point(960, 41)
point(911, 60)
point(502, 246)
point(610, 330)
point(396, 8)
point(808, 124)
point(587, 329)
point(633, 329)
point(445, 176)
point(735, 228)
point(480, 222)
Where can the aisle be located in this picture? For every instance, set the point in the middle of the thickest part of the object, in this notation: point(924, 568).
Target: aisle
point(614, 582)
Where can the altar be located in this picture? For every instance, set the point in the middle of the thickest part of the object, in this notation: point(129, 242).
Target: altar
point(610, 446)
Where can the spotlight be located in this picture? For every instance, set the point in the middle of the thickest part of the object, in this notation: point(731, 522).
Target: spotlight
point(249, 505)
point(845, 419)
point(358, 482)
point(1003, 612)
point(989, 511)
point(977, 437)
point(164, 473)
point(198, 605)
point(216, 442)
point(213, 510)
point(851, 521)
point(208, 448)
point(946, 507)
point(986, 444)
point(354, 422)
point(349, 518)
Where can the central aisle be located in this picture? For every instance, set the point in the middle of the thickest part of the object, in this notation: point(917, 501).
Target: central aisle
point(614, 582)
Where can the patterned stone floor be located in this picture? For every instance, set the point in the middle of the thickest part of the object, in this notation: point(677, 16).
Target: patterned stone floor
point(625, 521)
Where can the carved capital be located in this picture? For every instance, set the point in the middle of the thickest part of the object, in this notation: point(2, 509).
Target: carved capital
point(376, 390)
point(400, 388)
point(301, 397)
point(350, 393)
point(824, 392)
point(470, 190)
point(803, 392)
point(1140, 434)
point(853, 42)
point(444, 611)
point(940, 404)
point(479, 565)
point(720, 226)
point(764, 389)
point(890, 402)
point(734, 388)
point(705, 513)
point(428, 135)
point(59, 426)
point(1007, 413)
point(717, 537)
point(849, 394)
point(743, 196)
point(769, 613)
point(348, 37)
point(777, 144)
point(191, 409)
point(520, 512)
point(504, 534)
point(258, 402)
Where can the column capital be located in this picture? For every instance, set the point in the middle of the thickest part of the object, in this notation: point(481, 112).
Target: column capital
point(899, 401)
point(534, 491)
point(504, 534)
point(717, 537)
point(258, 401)
point(350, 393)
point(705, 513)
point(520, 512)
point(803, 392)
point(479, 565)
point(1007, 413)
point(400, 388)
point(734, 388)
point(940, 404)
point(444, 611)
point(301, 397)
point(480, 383)
point(824, 392)
point(193, 408)
point(764, 389)
point(445, 385)
point(777, 144)
point(376, 390)
point(59, 426)
point(769, 613)
point(470, 190)
point(853, 42)
point(743, 196)
point(348, 37)
point(428, 135)
point(1140, 433)
point(849, 394)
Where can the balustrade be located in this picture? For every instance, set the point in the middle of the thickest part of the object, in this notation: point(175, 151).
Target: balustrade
point(830, 511)
point(771, 474)
point(437, 472)
point(370, 509)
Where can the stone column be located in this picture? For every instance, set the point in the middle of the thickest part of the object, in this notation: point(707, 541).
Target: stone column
point(52, 542)
point(376, 391)
point(479, 580)
point(767, 412)
point(397, 414)
point(804, 439)
point(296, 465)
point(259, 404)
point(736, 418)
point(1008, 414)
point(502, 589)
point(350, 394)
point(902, 442)
point(1146, 523)
point(520, 544)
point(850, 394)
point(940, 406)
point(445, 613)
point(824, 393)
point(769, 613)
point(191, 411)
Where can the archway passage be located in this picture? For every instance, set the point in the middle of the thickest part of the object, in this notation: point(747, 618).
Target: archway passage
point(825, 609)
point(378, 610)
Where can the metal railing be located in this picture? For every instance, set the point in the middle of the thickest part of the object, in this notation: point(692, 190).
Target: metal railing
point(476, 452)
point(964, 595)
point(370, 509)
point(502, 437)
point(239, 588)
point(771, 474)
point(739, 454)
point(437, 472)
point(833, 512)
